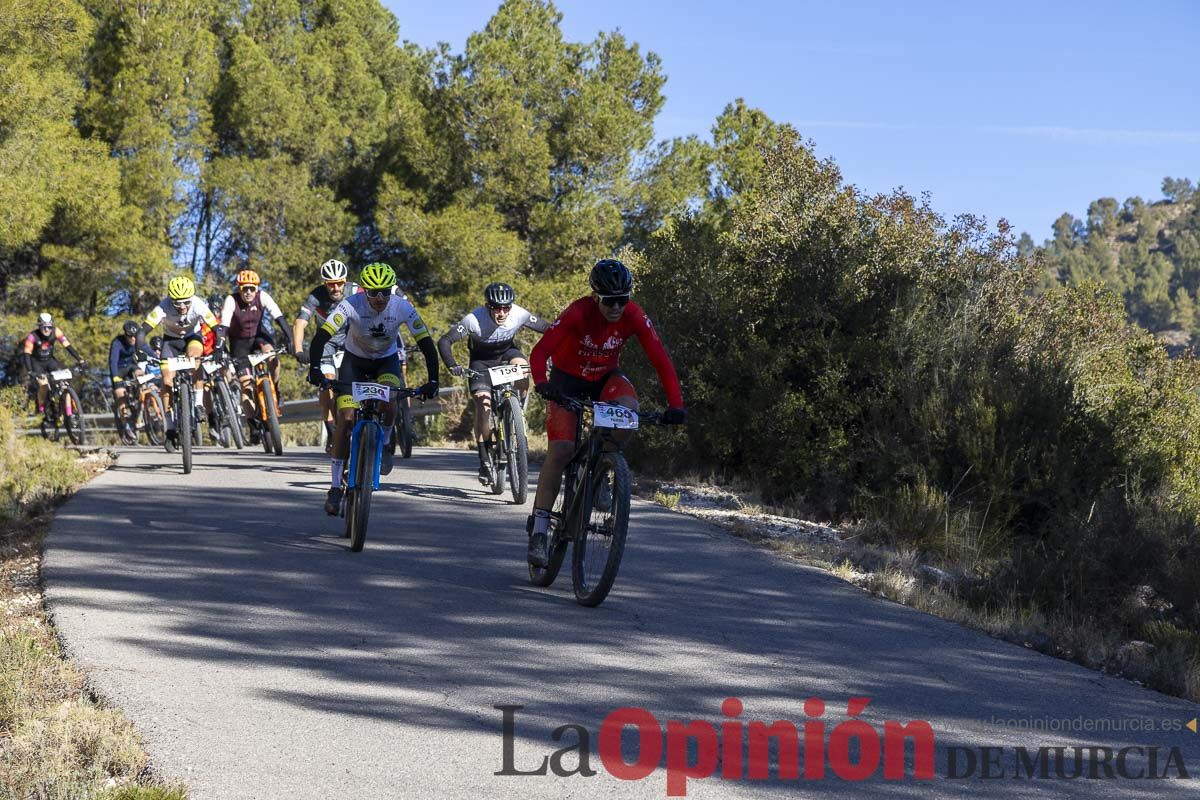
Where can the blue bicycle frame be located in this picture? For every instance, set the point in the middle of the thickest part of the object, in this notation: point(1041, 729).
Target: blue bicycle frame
point(355, 434)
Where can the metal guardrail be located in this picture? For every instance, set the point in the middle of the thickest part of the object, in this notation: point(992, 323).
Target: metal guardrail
point(307, 410)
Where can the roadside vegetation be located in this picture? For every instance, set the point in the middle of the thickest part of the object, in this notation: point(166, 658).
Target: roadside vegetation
point(57, 741)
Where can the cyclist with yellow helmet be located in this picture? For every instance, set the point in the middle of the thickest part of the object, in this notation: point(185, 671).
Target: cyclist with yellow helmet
point(243, 315)
point(371, 322)
point(180, 314)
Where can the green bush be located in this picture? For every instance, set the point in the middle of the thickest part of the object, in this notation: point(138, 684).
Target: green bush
point(864, 356)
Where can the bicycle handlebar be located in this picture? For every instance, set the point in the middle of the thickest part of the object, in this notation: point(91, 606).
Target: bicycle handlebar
point(577, 404)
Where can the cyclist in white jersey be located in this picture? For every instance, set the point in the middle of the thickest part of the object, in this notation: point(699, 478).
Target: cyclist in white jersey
point(179, 315)
point(490, 331)
point(371, 322)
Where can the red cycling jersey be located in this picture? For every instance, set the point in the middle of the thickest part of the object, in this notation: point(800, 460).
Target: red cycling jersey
point(581, 342)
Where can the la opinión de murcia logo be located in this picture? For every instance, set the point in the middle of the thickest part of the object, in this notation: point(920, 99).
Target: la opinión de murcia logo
point(632, 744)
point(740, 748)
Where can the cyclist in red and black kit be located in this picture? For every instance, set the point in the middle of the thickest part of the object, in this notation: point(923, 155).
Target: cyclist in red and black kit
point(585, 344)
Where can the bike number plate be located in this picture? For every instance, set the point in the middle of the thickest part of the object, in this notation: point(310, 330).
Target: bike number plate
point(211, 368)
point(370, 391)
point(61, 374)
point(177, 363)
point(610, 416)
point(506, 373)
point(258, 358)
point(144, 379)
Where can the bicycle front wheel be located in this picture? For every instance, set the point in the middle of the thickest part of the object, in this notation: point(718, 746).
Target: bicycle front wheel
point(359, 512)
point(516, 448)
point(183, 398)
point(560, 536)
point(72, 412)
point(154, 417)
point(231, 428)
point(268, 398)
point(600, 541)
point(405, 432)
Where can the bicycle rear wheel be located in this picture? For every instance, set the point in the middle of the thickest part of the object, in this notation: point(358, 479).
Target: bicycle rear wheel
point(600, 542)
point(358, 515)
point(183, 395)
point(516, 448)
point(72, 412)
point(154, 418)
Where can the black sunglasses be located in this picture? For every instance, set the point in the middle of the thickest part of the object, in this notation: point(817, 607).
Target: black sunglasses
point(615, 300)
point(378, 292)
point(495, 307)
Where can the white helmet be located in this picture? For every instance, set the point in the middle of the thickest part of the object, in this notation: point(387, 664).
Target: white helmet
point(45, 320)
point(333, 270)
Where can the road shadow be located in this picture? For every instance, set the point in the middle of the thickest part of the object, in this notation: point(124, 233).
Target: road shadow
point(435, 623)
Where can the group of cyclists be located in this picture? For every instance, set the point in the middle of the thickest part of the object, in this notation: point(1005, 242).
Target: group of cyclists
point(358, 338)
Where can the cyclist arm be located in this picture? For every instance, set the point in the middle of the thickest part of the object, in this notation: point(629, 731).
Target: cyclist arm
point(337, 321)
point(445, 344)
point(271, 308)
point(114, 358)
point(425, 342)
point(27, 353)
point(62, 338)
point(301, 324)
point(659, 359)
point(537, 324)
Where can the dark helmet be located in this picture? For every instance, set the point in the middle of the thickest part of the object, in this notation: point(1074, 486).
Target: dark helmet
point(611, 277)
point(130, 328)
point(499, 294)
point(155, 343)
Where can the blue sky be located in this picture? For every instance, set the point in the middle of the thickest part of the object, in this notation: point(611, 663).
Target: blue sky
point(1020, 110)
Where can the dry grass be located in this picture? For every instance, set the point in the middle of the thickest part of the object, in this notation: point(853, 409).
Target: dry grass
point(57, 741)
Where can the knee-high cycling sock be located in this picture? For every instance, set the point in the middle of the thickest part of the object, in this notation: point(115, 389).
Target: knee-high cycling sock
point(387, 435)
point(336, 466)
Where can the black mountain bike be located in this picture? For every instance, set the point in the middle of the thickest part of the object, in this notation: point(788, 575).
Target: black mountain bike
point(62, 405)
point(592, 508)
point(509, 450)
point(226, 414)
point(183, 404)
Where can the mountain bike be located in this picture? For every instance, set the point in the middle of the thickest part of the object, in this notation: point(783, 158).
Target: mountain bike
point(183, 405)
point(153, 416)
point(361, 476)
point(509, 449)
point(264, 422)
point(226, 415)
point(143, 410)
point(62, 400)
point(592, 508)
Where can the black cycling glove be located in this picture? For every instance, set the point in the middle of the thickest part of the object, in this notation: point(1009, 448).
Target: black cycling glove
point(673, 416)
point(549, 391)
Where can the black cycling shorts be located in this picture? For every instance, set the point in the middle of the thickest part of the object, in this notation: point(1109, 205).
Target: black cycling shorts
point(483, 383)
point(172, 346)
point(354, 368)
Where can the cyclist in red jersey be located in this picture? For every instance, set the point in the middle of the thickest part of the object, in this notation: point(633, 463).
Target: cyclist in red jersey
point(584, 344)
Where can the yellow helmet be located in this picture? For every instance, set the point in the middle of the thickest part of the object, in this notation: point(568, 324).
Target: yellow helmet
point(181, 288)
point(377, 276)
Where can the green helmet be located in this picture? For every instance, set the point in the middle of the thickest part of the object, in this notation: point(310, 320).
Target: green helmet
point(377, 276)
point(181, 288)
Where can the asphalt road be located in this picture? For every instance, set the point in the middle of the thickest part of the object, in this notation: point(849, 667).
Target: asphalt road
point(261, 659)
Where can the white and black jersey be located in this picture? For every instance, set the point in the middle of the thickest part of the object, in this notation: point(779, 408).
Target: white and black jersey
point(487, 341)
